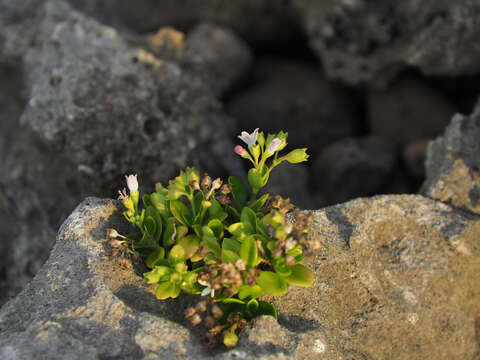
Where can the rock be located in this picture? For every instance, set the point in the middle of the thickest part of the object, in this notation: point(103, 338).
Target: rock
point(92, 108)
point(365, 42)
point(409, 110)
point(453, 164)
point(414, 155)
point(258, 21)
point(291, 181)
point(354, 167)
point(396, 278)
point(217, 54)
point(295, 97)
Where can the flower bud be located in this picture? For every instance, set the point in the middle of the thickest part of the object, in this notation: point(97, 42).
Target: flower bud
point(297, 156)
point(240, 150)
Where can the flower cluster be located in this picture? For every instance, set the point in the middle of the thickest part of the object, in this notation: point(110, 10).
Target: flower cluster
point(213, 239)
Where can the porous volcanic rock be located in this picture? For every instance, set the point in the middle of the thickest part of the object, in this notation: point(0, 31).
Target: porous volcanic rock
point(294, 96)
point(81, 107)
point(369, 42)
point(218, 55)
point(395, 278)
point(354, 167)
point(258, 21)
point(453, 164)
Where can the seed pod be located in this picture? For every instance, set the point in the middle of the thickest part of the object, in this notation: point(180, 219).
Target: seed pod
point(189, 312)
point(196, 319)
point(206, 182)
point(201, 307)
point(277, 253)
point(209, 322)
point(217, 313)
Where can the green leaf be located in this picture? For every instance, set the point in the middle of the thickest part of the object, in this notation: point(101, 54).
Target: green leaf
point(265, 308)
point(232, 212)
point(252, 306)
point(281, 267)
point(159, 273)
point(181, 212)
point(229, 256)
point(240, 229)
point(212, 244)
point(197, 202)
point(232, 301)
point(169, 233)
point(255, 179)
point(167, 289)
point(297, 253)
point(154, 256)
point(190, 243)
point(249, 252)
point(152, 212)
point(231, 244)
point(253, 292)
point(248, 216)
point(146, 200)
point(176, 254)
point(217, 227)
point(257, 204)
point(271, 283)
point(198, 230)
point(150, 226)
point(239, 192)
point(215, 211)
point(300, 276)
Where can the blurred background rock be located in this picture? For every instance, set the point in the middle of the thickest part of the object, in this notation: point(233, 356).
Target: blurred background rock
point(91, 90)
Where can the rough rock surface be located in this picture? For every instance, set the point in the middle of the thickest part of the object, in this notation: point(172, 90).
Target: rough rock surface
point(258, 21)
point(294, 96)
point(362, 41)
point(409, 110)
point(92, 107)
point(396, 278)
point(453, 164)
point(218, 55)
point(341, 169)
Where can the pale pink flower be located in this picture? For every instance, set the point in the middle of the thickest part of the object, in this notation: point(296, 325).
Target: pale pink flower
point(274, 145)
point(249, 139)
point(132, 183)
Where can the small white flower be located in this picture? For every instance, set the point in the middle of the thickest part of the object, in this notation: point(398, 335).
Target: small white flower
point(249, 139)
point(132, 183)
point(208, 289)
point(274, 145)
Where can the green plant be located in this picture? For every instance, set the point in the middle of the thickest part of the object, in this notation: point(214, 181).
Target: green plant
point(212, 239)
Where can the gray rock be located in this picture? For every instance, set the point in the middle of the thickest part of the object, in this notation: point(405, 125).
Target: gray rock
point(258, 21)
point(395, 272)
point(453, 164)
point(92, 108)
point(409, 110)
point(218, 55)
point(354, 167)
point(294, 97)
point(365, 42)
